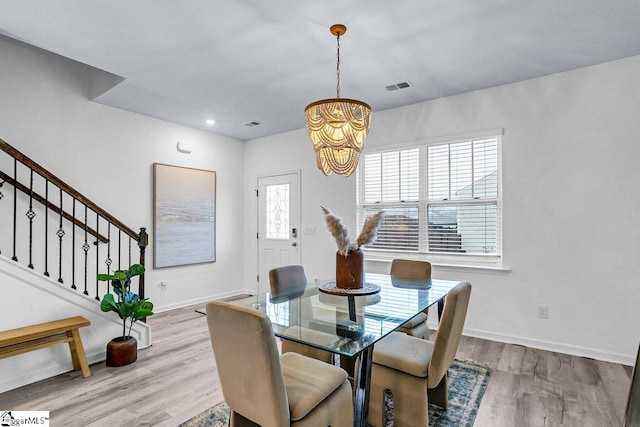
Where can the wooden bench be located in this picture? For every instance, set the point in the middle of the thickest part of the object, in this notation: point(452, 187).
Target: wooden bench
point(29, 338)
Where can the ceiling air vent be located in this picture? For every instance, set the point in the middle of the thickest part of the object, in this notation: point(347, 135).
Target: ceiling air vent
point(251, 124)
point(397, 86)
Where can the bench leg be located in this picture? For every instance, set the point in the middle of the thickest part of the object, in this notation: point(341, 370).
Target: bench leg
point(78, 357)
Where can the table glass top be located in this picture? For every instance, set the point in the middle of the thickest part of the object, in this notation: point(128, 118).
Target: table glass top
point(348, 324)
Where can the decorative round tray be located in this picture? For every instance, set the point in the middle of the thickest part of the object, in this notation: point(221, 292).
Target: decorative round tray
point(366, 289)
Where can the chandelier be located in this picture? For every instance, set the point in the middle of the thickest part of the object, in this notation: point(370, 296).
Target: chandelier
point(337, 126)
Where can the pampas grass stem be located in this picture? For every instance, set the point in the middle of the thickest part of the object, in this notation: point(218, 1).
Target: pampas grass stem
point(341, 232)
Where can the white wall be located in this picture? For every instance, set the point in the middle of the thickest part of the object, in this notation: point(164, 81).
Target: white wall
point(570, 172)
point(107, 154)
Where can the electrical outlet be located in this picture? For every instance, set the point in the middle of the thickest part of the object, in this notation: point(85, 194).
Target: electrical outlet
point(543, 312)
point(163, 284)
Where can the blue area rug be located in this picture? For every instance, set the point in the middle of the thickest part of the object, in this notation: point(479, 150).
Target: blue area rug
point(467, 383)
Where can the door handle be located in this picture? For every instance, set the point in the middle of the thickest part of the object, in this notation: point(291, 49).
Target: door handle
point(294, 244)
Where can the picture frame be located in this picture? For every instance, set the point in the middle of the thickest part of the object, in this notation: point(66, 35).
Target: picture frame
point(184, 206)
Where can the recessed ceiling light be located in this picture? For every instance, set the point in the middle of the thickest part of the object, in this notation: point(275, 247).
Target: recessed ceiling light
point(210, 122)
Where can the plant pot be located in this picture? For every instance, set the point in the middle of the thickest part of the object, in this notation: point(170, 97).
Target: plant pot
point(121, 351)
point(350, 270)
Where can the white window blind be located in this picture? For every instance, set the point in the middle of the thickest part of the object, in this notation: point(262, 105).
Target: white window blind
point(392, 177)
point(392, 181)
point(440, 198)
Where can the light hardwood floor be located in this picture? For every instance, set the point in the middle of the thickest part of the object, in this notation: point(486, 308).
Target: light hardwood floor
point(176, 378)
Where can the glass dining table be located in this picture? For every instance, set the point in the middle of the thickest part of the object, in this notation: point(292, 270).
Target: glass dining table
point(349, 324)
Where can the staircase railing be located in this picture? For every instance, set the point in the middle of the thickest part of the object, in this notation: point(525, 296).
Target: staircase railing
point(50, 208)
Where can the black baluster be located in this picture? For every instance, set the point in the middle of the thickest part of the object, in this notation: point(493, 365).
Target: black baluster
point(46, 227)
point(129, 250)
point(60, 234)
point(85, 248)
point(73, 248)
point(143, 242)
point(97, 253)
point(109, 256)
point(31, 214)
point(119, 248)
point(108, 261)
point(15, 206)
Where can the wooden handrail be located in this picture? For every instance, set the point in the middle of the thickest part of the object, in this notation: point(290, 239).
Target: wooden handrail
point(51, 206)
point(141, 238)
point(66, 188)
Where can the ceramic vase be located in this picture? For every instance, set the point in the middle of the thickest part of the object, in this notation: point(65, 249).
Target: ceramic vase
point(350, 270)
point(122, 352)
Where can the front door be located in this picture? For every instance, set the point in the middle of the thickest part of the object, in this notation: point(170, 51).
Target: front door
point(278, 225)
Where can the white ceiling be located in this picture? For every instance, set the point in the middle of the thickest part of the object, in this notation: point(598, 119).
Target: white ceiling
point(238, 61)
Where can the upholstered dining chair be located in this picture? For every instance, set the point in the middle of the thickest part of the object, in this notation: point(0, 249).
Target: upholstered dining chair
point(413, 270)
point(290, 282)
point(414, 370)
point(287, 282)
point(263, 388)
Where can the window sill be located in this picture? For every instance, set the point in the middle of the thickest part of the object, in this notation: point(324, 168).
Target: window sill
point(486, 267)
point(489, 269)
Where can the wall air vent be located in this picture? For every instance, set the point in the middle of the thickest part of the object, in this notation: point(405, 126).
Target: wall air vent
point(251, 124)
point(397, 86)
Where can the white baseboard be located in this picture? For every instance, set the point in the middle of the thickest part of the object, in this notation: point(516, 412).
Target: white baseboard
point(48, 371)
point(557, 347)
point(203, 300)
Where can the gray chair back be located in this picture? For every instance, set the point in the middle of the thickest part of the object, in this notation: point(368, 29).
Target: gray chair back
point(449, 332)
point(410, 269)
point(287, 282)
point(248, 363)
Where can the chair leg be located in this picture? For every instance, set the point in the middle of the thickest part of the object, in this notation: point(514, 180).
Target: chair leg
point(439, 395)
point(237, 420)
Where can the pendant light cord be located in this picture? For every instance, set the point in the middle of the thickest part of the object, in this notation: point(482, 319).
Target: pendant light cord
point(338, 69)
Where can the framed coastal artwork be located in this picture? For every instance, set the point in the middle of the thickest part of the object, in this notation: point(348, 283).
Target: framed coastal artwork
point(184, 225)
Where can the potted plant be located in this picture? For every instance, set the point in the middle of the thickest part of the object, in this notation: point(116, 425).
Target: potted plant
point(349, 258)
point(130, 308)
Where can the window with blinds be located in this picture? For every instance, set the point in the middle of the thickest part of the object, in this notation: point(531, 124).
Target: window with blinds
point(440, 198)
